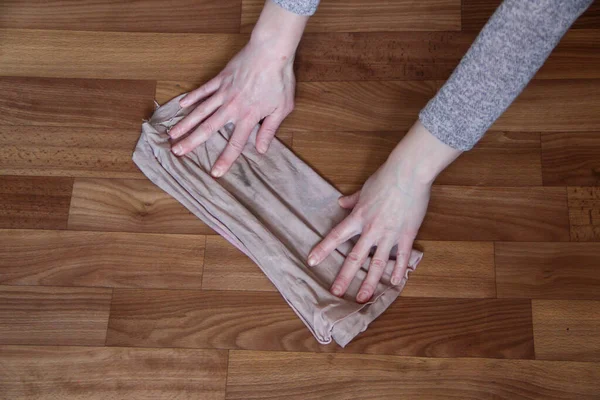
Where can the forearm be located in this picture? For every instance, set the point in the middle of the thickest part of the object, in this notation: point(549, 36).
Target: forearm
point(279, 30)
point(505, 56)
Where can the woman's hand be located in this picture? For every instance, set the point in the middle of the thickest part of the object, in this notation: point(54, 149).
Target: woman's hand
point(258, 83)
point(387, 211)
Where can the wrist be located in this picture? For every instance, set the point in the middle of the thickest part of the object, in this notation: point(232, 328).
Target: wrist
point(278, 31)
point(421, 156)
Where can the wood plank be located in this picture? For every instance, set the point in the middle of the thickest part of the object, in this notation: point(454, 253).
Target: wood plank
point(137, 16)
point(335, 56)
point(376, 15)
point(361, 106)
point(584, 213)
point(571, 158)
point(566, 329)
point(116, 55)
point(363, 56)
point(490, 213)
point(66, 258)
point(83, 103)
point(36, 315)
point(545, 105)
point(499, 159)
point(449, 269)
point(129, 206)
point(548, 270)
point(554, 106)
point(475, 14)
point(263, 321)
point(34, 202)
point(66, 151)
point(576, 56)
point(36, 372)
point(264, 375)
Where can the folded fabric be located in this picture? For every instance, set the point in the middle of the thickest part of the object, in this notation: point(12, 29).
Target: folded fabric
point(275, 209)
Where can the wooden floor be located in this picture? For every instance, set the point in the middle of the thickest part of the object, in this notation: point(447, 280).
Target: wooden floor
point(506, 304)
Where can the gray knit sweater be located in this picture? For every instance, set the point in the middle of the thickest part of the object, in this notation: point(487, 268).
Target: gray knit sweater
point(509, 50)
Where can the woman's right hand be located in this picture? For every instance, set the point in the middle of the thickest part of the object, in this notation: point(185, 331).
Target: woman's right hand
point(258, 83)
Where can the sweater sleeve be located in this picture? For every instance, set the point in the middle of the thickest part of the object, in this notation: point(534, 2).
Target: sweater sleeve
point(301, 7)
point(509, 50)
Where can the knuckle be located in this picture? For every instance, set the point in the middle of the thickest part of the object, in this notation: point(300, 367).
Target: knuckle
point(353, 257)
point(236, 144)
point(377, 264)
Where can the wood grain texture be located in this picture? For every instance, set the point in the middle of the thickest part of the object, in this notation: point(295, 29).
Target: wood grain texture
point(548, 270)
point(567, 330)
point(577, 56)
point(545, 105)
point(571, 158)
point(509, 214)
point(372, 16)
point(82, 103)
point(554, 106)
point(364, 56)
point(265, 375)
point(137, 16)
point(36, 315)
point(336, 56)
point(34, 202)
point(263, 321)
point(116, 55)
point(66, 151)
point(499, 159)
point(475, 14)
point(359, 106)
point(129, 206)
point(66, 258)
point(449, 269)
point(584, 213)
point(38, 372)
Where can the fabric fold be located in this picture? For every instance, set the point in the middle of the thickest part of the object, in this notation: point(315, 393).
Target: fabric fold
point(275, 209)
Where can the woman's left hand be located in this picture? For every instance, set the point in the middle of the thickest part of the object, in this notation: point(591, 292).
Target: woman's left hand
point(387, 211)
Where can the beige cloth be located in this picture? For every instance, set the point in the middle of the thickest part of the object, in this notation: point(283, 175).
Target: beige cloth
point(275, 209)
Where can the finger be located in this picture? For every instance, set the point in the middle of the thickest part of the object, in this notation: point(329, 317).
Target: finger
point(402, 257)
point(355, 259)
point(234, 147)
point(349, 202)
point(376, 269)
point(205, 90)
point(218, 120)
point(197, 116)
point(338, 235)
point(267, 132)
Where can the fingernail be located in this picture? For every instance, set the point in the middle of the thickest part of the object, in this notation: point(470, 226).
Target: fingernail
point(172, 132)
point(336, 290)
point(262, 147)
point(217, 172)
point(182, 102)
point(362, 296)
point(178, 150)
point(395, 280)
point(312, 261)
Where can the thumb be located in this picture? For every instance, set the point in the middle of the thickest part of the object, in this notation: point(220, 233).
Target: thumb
point(349, 202)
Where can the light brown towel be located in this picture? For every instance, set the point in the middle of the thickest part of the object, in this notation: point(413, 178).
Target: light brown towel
point(275, 209)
